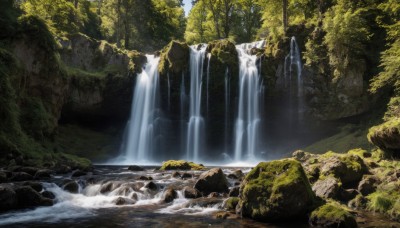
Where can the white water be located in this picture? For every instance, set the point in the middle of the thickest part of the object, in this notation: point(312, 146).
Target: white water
point(227, 87)
point(195, 131)
point(250, 91)
point(143, 113)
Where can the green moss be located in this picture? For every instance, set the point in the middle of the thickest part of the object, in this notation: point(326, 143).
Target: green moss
point(379, 202)
point(387, 128)
point(333, 214)
point(360, 152)
point(181, 165)
point(174, 58)
point(231, 203)
point(136, 61)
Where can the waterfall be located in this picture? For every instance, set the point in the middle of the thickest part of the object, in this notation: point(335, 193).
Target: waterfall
point(250, 91)
point(195, 132)
point(208, 76)
point(227, 101)
point(169, 92)
point(143, 113)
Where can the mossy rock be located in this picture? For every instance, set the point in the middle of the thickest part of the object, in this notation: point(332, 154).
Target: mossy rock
point(181, 165)
point(231, 203)
point(387, 135)
point(276, 190)
point(332, 215)
point(224, 51)
point(174, 58)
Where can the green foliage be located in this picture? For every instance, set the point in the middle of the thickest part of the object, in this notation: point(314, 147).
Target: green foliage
point(333, 214)
point(35, 119)
point(379, 202)
point(346, 36)
point(231, 203)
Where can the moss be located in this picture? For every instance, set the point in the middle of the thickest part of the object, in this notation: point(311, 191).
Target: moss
point(332, 215)
point(360, 152)
point(269, 188)
point(136, 61)
point(379, 202)
point(386, 136)
point(231, 203)
point(174, 58)
point(181, 165)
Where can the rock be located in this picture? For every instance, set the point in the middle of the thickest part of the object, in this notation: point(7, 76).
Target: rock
point(35, 185)
point(222, 215)
point(180, 165)
point(387, 135)
point(359, 202)
point(145, 178)
point(43, 174)
point(123, 201)
point(174, 58)
point(107, 187)
point(276, 190)
point(169, 195)
point(176, 175)
point(28, 197)
point(187, 176)
point(3, 177)
point(348, 194)
point(328, 188)
point(21, 176)
point(330, 215)
point(203, 202)
point(78, 173)
point(231, 203)
point(348, 168)
point(71, 187)
point(135, 168)
point(213, 194)
point(48, 194)
point(8, 198)
point(191, 193)
point(151, 186)
point(29, 170)
point(234, 192)
point(368, 185)
point(212, 181)
point(301, 156)
point(62, 169)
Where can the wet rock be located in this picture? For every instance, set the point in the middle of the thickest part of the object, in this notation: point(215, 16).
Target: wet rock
point(29, 170)
point(151, 186)
point(78, 173)
point(368, 185)
point(348, 168)
point(62, 169)
point(135, 168)
point(328, 188)
point(203, 202)
point(8, 198)
point(107, 187)
point(187, 176)
point(48, 194)
point(276, 190)
point(123, 201)
point(43, 174)
point(71, 187)
point(176, 175)
point(234, 192)
point(145, 178)
point(28, 197)
point(330, 215)
point(222, 215)
point(191, 193)
point(21, 176)
point(231, 203)
point(35, 185)
point(134, 196)
point(213, 194)
point(212, 181)
point(169, 195)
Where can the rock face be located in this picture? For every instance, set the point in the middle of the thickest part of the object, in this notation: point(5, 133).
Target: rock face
point(328, 188)
point(276, 190)
point(330, 215)
point(174, 58)
point(213, 180)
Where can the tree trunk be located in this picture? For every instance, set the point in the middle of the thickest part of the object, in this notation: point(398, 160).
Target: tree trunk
point(215, 17)
point(284, 15)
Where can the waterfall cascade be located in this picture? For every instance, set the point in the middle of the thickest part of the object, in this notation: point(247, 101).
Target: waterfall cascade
point(250, 90)
point(143, 114)
point(195, 131)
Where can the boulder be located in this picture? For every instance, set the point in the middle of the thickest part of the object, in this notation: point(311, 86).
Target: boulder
point(301, 156)
point(176, 175)
point(212, 181)
point(169, 195)
point(28, 197)
point(135, 168)
point(191, 193)
point(48, 194)
point(234, 192)
point(78, 173)
point(359, 202)
point(71, 186)
point(231, 203)
point(123, 201)
point(330, 215)
point(180, 165)
point(8, 198)
point(145, 178)
point(237, 175)
point(213, 194)
point(328, 188)
point(37, 186)
point(187, 176)
point(203, 202)
point(107, 187)
point(21, 176)
point(174, 58)
point(29, 170)
point(368, 185)
point(348, 168)
point(151, 186)
point(275, 191)
point(387, 135)
point(3, 177)
point(348, 194)
point(43, 174)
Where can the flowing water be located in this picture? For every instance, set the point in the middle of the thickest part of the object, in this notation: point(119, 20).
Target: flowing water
point(195, 132)
point(143, 114)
